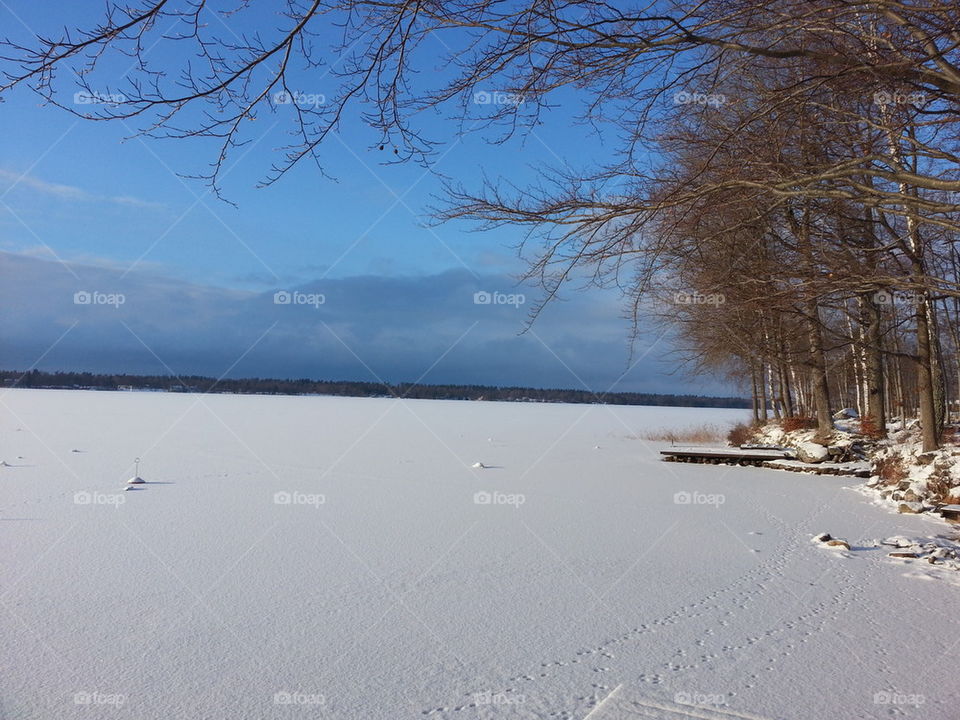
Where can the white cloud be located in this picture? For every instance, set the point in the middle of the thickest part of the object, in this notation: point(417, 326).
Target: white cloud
point(10, 180)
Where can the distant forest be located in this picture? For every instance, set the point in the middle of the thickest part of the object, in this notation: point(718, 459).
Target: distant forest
point(350, 388)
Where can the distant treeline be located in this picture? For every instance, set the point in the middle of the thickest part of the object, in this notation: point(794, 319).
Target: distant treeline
point(350, 388)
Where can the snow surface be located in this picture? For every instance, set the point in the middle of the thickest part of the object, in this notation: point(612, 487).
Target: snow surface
point(340, 558)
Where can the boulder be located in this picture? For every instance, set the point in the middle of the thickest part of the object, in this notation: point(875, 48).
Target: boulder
point(911, 496)
point(897, 541)
point(830, 541)
point(910, 508)
point(811, 452)
point(836, 542)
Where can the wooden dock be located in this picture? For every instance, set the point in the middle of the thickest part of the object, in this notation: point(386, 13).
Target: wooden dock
point(723, 456)
point(773, 458)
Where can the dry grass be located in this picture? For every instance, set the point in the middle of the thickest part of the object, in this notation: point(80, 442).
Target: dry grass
point(869, 428)
point(939, 487)
point(890, 469)
point(789, 424)
point(695, 435)
point(951, 435)
point(740, 434)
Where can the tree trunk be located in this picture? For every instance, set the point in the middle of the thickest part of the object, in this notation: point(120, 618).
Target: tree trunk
point(764, 417)
point(785, 390)
point(819, 385)
point(928, 411)
point(772, 394)
point(873, 365)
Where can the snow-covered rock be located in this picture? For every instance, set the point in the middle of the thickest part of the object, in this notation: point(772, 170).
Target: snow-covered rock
point(897, 541)
point(812, 452)
point(830, 541)
point(910, 508)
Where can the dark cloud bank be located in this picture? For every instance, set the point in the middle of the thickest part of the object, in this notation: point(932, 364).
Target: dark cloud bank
point(432, 328)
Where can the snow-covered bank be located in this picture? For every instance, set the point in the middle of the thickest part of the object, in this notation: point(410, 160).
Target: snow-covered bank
point(326, 557)
point(900, 472)
point(901, 478)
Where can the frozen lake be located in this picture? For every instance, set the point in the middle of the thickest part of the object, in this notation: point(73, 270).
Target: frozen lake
point(333, 557)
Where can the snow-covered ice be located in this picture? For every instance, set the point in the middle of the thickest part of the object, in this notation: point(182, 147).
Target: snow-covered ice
point(340, 558)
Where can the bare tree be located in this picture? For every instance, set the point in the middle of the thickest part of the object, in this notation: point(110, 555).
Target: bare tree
point(836, 121)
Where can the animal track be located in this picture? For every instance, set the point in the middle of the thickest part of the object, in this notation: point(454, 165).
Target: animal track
point(721, 611)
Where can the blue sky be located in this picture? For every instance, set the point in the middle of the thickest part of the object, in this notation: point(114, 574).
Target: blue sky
point(92, 207)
